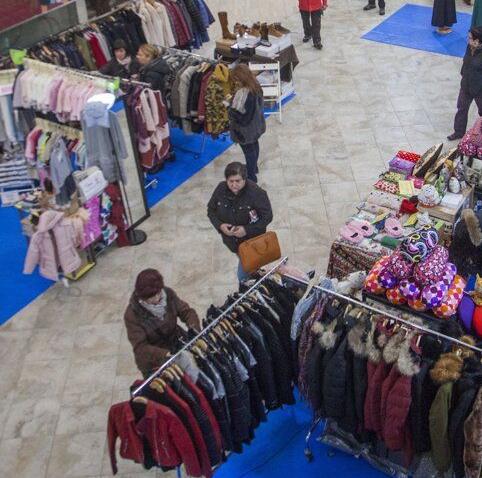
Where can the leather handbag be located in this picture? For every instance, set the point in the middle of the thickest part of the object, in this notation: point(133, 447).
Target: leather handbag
point(259, 251)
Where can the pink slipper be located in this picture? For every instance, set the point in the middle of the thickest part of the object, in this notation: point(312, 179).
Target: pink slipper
point(364, 227)
point(351, 234)
point(393, 227)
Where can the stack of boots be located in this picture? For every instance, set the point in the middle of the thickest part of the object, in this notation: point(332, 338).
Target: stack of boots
point(264, 35)
point(240, 29)
point(223, 20)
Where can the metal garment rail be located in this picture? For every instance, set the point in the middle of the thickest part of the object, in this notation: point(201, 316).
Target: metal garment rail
point(206, 329)
point(387, 314)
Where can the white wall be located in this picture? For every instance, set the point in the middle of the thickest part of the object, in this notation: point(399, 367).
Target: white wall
point(250, 11)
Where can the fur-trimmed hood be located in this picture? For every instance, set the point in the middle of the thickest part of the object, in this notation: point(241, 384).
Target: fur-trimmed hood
point(357, 339)
point(326, 333)
point(473, 226)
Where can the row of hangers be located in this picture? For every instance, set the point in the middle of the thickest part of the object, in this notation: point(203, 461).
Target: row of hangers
point(64, 130)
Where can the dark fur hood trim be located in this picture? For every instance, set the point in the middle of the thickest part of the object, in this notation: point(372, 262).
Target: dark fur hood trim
point(473, 226)
point(357, 340)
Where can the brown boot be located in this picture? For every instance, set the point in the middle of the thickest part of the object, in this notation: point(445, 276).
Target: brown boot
point(223, 20)
point(255, 30)
point(264, 35)
point(273, 32)
point(281, 28)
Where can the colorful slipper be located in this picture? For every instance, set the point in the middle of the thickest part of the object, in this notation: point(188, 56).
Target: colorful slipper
point(364, 227)
point(393, 227)
point(351, 234)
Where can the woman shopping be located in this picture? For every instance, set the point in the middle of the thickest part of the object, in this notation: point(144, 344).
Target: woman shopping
point(153, 67)
point(151, 321)
point(444, 16)
point(246, 116)
point(122, 65)
point(239, 210)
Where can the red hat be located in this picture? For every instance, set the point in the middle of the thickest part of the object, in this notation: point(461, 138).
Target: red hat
point(149, 282)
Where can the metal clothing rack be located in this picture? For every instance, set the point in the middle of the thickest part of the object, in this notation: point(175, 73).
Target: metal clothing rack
point(206, 329)
point(388, 315)
point(188, 54)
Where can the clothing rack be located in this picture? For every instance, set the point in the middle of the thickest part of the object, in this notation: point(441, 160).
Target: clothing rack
point(68, 131)
point(206, 329)
point(40, 65)
point(388, 315)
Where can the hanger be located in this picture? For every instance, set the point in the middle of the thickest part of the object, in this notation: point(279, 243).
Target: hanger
point(179, 370)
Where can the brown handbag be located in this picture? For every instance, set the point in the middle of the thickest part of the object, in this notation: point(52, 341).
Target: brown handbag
point(259, 251)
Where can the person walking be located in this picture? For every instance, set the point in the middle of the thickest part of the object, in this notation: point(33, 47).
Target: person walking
point(444, 16)
point(122, 65)
point(239, 210)
point(151, 320)
point(371, 5)
point(471, 83)
point(246, 116)
point(311, 11)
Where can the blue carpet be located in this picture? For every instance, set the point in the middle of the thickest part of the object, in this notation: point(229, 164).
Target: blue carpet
point(411, 27)
point(16, 289)
point(186, 164)
point(277, 451)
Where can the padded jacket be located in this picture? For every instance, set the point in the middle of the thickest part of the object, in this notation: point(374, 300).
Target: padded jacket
point(224, 207)
point(473, 440)
point(471, 72)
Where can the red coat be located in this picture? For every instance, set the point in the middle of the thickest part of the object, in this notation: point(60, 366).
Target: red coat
point(312, 5)
point(377, 373)
point(168, 439)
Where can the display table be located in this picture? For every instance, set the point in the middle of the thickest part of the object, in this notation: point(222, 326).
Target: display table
point(346, 258)
point(287, 58)
point(450, 214)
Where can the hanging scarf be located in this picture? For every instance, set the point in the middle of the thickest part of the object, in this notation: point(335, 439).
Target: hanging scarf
point(239, 100)
point(157, 310)
point(125, 62)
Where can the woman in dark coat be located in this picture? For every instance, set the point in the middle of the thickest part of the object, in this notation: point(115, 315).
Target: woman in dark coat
point(153, 67)
point(122, 65)
point(444, 16)
point(246, 116)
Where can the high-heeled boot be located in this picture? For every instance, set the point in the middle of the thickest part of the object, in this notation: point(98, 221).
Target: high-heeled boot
point(223, 20)
point(264, 35)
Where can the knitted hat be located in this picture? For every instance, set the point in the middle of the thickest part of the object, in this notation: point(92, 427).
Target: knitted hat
point(149, 282)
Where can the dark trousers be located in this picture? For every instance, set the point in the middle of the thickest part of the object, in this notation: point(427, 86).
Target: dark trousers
point(251, 153)
point(463, 105)
point(312, 25)
point(381, 3)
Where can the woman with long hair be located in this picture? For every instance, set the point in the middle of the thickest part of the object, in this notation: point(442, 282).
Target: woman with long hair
point(153, 67)
point(246, 116)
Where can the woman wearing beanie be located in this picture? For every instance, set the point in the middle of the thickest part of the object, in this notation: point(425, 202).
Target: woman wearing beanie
point(151, 321)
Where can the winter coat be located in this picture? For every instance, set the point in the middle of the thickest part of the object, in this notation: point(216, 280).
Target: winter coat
point(151, 345)
point(477, 14)
point(54, 245)
point(439, 421)
point(423, 394)
point(463, 396)
point(218, 88)
point(466, 246)
point(473, 439)
point(167, 438)
point(154, 73)
point(312, 5)
point(471, 72)
point(250, 208)
point(247, 128)
point(114, 68)
point(334, 380)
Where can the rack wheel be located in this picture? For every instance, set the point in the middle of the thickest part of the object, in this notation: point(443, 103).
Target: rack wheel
point(197, 156)
point(154, 185)
point(330, 453)
point(308, 454)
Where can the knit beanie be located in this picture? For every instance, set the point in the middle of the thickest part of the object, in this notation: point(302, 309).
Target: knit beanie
point(149, 282)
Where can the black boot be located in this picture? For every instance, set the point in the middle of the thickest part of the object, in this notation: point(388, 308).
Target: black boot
point(264, 35)
point(306, 39)
point(369, 7)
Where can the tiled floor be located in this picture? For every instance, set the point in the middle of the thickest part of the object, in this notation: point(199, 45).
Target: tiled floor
point(65, 358)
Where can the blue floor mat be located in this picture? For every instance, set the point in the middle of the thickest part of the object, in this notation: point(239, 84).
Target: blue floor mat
point(277, 451)
point(186, 163)
point(16, 289)
point(411, 27)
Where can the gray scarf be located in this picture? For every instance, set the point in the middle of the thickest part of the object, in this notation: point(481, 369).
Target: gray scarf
point(157, 310)
point(239, 100)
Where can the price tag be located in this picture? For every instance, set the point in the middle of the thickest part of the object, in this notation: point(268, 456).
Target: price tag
point(17, 56)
